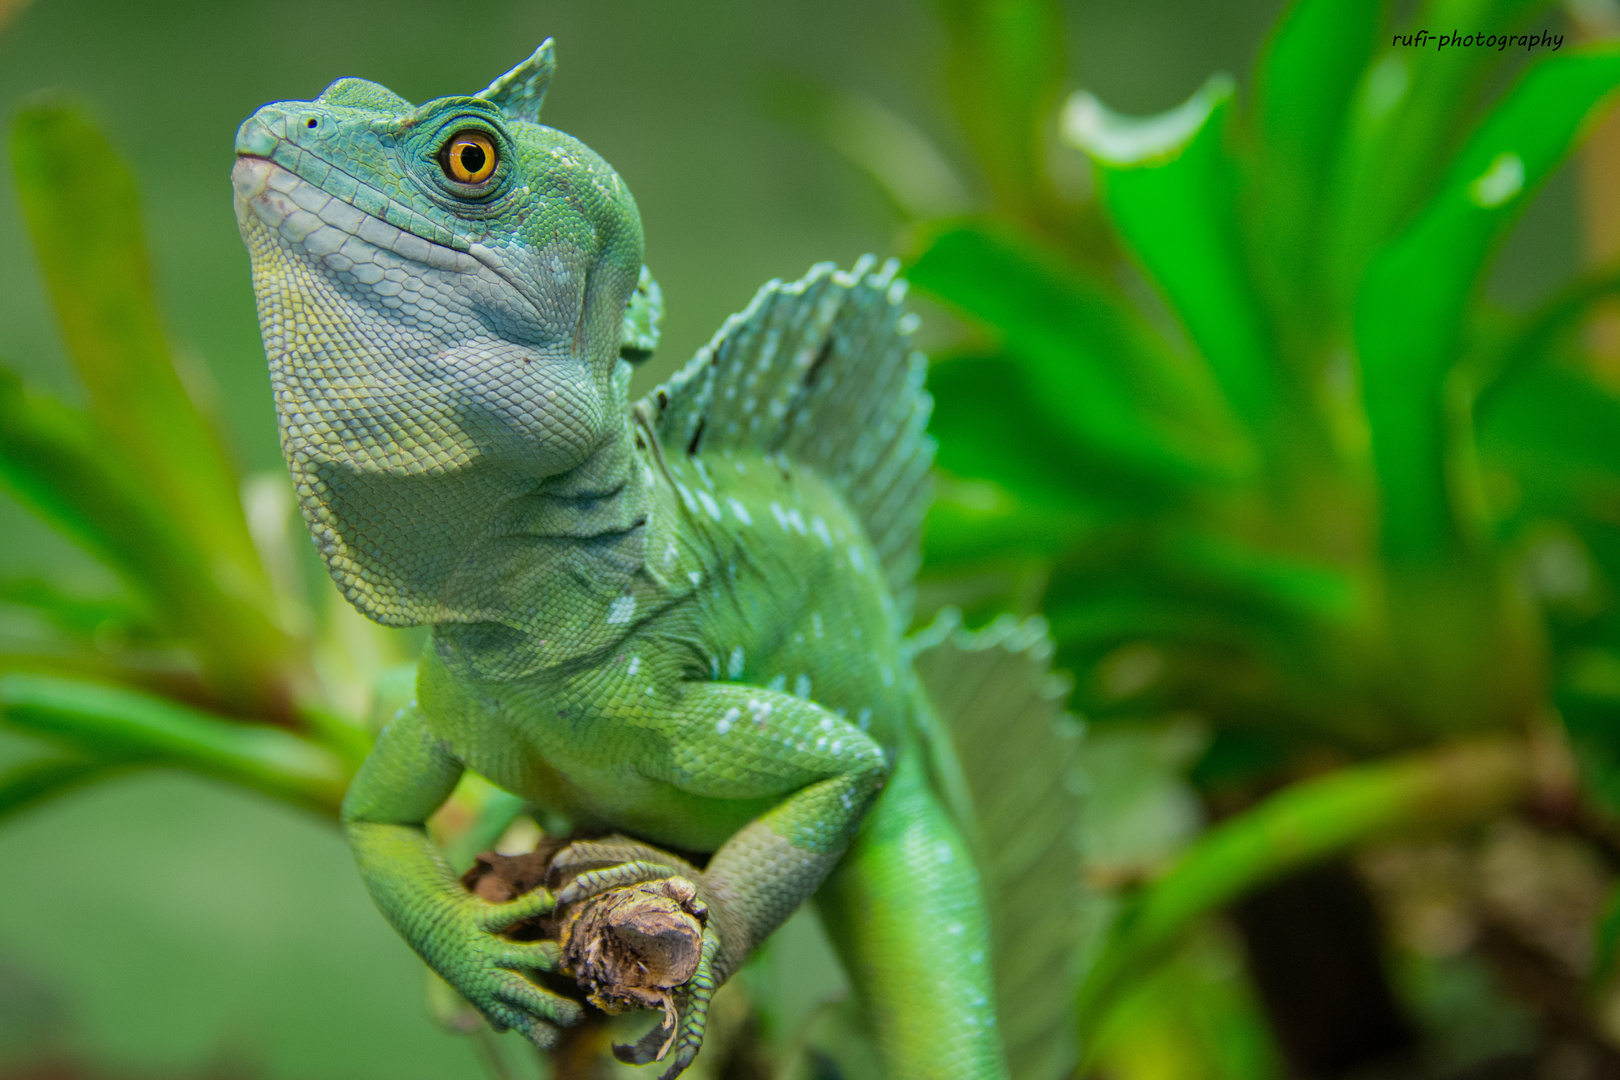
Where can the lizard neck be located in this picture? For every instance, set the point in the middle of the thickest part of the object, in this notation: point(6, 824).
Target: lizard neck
point(561, 572)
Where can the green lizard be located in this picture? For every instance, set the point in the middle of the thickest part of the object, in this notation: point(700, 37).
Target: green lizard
point(680, 620)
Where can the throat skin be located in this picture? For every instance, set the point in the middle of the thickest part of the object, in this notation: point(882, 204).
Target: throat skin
point(560, 572)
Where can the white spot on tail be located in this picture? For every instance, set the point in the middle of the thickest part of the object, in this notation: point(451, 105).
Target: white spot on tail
point(735, 668)
point(778, 683)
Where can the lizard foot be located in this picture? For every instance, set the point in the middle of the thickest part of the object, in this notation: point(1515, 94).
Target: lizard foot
point(635, 933)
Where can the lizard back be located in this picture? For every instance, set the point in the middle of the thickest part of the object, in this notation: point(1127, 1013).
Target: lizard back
point(821, 371)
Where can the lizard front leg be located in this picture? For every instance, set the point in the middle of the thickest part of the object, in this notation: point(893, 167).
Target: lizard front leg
point(732, 742)
point(407, 776)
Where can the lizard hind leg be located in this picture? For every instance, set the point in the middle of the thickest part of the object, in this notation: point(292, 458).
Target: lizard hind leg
point(907, 917)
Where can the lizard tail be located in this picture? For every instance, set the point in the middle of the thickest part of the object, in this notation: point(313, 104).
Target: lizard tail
point(1000, 708)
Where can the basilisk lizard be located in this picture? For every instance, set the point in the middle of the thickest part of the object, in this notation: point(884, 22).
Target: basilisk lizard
point(680, 619)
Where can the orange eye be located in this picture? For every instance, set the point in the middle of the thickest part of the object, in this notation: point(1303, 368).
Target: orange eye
point(469, 157)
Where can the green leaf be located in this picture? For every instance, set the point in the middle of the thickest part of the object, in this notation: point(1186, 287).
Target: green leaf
point(1405, 124)
point(1077, 370)
point(108, 721)
point(1534, 339)
point(1306, 80)
point(905, 163)
point(974, 521)
point(34, 782)
point(1170, 185)
point(1555, 426)
point(54, 460)
point(80, 203)
point(1307, 822)
point(1409, 315)
point(81, 616)
point(1004, 70)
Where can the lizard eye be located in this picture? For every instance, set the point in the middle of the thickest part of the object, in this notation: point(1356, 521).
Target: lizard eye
point(468, 158)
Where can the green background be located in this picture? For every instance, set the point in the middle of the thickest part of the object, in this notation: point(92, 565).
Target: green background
point(114, 942)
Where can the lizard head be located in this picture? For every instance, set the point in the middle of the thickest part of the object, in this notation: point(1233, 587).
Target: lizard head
point(443, 294)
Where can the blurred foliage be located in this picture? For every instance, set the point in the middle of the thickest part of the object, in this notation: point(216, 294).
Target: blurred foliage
point(1330, 543)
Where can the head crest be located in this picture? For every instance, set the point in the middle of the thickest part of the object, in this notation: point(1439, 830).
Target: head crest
point(521, 90)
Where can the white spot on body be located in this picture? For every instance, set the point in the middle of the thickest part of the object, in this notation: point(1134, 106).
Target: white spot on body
point(863, 719)
point(955, 929)
point(723, 725)
point(815, 623)
point(801, 686)
point(669, 554)
point(855, 558)
point(780, 515)
point(694, 577)
point(887, 674)
point(778, 683)
point(622, 610)
point(819, 527)
point(735, 667)
point(943, 852)
point(709, 504)
point(635, 665)
point(740, 511)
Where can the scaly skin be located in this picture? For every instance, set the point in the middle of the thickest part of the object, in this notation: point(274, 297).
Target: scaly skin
point(706, 658)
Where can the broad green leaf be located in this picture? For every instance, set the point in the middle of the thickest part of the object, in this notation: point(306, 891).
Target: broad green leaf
point(1588, 699)
point(993, 423)
point(1405, 124)
point(1306, 79)
point(1409, 314)
point(1304, 823)
point(1004, 70)
point(972, 521)
point(1556, 425)
point(1533, 340)
point(53, 459)
point(1196, 1018)
point(81, 206)
point(1170, 185)
point(109, 721)
point(1093, 374)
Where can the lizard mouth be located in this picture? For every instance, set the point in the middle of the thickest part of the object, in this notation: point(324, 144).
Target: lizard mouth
point(322, 224)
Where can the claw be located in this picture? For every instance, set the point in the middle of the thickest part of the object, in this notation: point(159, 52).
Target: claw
point(538, 956)
point(651, 1046)
point(614, 877)
point(498, 918)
